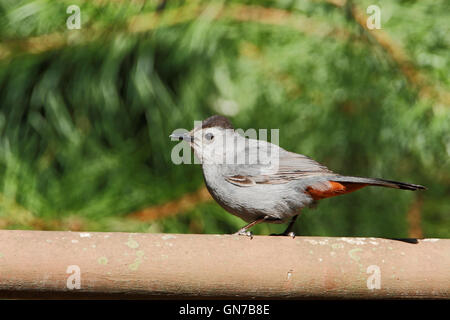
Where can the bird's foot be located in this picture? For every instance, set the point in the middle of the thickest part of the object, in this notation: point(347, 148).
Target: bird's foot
point(244, 232)
point(288, 234)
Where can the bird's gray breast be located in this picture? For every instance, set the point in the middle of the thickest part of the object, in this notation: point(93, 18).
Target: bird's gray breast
point(278, 201)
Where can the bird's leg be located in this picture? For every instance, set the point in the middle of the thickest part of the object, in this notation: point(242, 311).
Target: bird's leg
point(288, 231)
point(244, 231)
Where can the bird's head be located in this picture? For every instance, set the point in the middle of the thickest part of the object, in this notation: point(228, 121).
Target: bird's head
point(211, 140)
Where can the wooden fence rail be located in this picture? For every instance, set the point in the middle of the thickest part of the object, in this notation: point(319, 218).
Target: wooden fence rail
point(48, 264)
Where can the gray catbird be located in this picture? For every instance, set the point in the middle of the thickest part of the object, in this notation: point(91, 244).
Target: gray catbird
point(259, 181)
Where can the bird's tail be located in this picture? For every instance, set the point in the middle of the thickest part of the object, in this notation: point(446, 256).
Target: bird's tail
point(378, 182)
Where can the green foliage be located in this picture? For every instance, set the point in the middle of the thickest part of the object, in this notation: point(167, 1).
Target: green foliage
point(84, 128)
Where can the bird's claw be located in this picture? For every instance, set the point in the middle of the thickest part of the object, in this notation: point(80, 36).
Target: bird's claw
point(244, 233)
point(288, 234)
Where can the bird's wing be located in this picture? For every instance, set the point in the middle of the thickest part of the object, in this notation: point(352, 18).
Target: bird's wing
point(285, 166)
point(276, 166)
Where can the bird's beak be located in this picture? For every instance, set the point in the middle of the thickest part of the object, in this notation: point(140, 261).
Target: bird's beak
point(182, 136)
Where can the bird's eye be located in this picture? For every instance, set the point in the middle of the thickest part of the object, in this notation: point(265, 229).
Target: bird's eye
point(209, 136)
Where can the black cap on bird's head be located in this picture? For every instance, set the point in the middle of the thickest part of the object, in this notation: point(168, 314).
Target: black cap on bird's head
point(217, 121)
